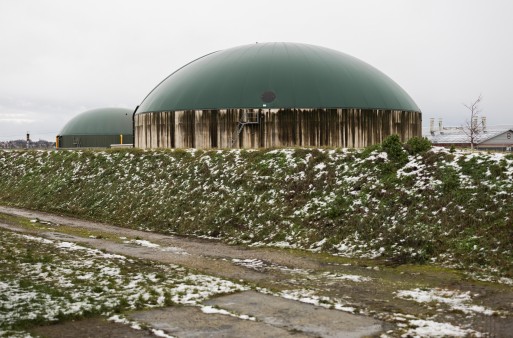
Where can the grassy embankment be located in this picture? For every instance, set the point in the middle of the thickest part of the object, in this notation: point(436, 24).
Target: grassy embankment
point(400, 203)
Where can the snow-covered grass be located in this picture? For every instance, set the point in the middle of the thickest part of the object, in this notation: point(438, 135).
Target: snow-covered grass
point(409, 326)
point(45, 281)
point(259, 265)
point(455, 300)
point(449, 208)
point(429, 328)
point(142, 242)
point(353, 278)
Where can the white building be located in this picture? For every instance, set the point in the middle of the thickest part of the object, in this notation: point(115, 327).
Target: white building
point(489, 138)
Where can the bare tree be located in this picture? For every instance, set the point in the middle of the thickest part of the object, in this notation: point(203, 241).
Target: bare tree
point(473, 128)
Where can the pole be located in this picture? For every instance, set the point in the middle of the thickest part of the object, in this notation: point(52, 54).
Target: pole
point(133, 126)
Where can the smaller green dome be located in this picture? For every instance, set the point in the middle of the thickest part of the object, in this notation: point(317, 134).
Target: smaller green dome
point(101, 121)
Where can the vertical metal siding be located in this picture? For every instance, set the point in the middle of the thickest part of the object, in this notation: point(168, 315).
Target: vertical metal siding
point(352, 128)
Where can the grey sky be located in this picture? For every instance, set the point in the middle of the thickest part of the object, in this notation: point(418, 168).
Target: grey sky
point(59, 58)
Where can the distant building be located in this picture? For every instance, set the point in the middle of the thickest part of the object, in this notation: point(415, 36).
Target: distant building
point(97, 128)
point(22, 144)
point(498, 138)
point(275, 95)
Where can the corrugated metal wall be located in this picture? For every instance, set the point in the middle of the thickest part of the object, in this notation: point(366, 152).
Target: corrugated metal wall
point(351, 128)
point(92, 141)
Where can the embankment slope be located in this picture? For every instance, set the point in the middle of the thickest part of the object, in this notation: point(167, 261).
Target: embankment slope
point(435, 206)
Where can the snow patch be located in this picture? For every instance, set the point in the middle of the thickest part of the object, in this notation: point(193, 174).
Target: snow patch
point(213, 310)
point(37, 239)
point(142, 242)
point(429, 328)
point(455, 300)
point(352, 278)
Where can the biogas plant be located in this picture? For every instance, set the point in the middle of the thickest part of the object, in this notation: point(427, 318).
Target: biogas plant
point(275, 95)
point(97, 128)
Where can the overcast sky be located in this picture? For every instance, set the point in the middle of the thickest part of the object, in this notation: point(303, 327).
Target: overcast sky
point(60, 58)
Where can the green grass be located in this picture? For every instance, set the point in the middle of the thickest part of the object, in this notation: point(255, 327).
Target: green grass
point(404, 204)
point(42, 283)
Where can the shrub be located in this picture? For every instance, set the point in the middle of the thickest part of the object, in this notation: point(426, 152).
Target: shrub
point(418, 145)
point(450, 180)
point(393, 147)
point(369, 149)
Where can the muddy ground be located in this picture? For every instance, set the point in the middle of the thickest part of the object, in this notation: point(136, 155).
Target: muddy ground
point(371, 299)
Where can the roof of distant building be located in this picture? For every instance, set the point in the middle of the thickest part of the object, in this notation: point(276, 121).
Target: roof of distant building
point(458, 135)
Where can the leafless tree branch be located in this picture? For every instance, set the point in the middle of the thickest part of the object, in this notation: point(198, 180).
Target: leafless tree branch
point(473, 128)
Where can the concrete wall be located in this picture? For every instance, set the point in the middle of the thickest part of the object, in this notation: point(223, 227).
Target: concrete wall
point(352, 128)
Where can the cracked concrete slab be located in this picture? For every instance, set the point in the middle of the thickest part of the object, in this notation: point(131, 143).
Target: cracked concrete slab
point(191, 322)
point(293, 315)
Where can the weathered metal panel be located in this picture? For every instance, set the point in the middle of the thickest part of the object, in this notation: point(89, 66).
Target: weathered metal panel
point(204, 129)
point(92, 141)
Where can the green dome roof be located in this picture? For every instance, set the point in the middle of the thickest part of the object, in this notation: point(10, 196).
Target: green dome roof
point(101, 121)
point(277, 75)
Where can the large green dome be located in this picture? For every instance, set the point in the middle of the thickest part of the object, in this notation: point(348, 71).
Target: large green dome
point(277, 75)
point(101, 121)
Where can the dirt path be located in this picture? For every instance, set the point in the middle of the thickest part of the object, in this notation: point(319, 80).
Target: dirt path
point(360, 287)
point(207, 256)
